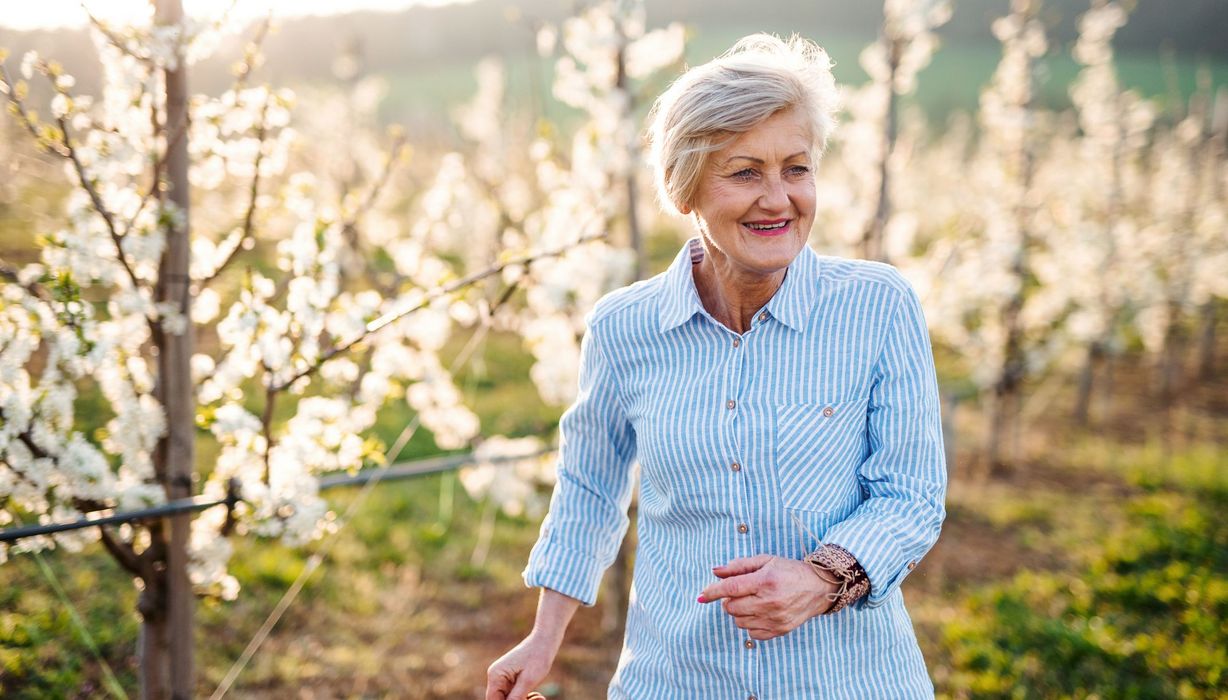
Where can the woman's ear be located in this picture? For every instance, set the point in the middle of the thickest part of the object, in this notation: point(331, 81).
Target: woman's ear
point(684, 208)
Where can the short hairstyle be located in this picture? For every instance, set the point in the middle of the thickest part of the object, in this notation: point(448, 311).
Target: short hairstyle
point(709, 104)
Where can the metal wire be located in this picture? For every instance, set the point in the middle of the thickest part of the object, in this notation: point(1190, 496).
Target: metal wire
point(182, 505)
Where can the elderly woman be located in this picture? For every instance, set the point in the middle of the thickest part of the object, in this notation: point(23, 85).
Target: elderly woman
point(783, 408)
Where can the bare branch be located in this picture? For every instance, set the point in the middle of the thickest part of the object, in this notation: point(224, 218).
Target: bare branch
point(349, 227)
point(116, 40)
point(506, 220)
point(266, 421)
point(65, 149)
point(251, 52)
point(99, 205)
point(176, 133)
point(122, 551)
point(23, 115)
point(249, 217)
point(34, 289)
point(393, 316)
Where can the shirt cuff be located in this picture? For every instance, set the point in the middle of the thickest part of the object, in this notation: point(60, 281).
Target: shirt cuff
point(573, 573)
point(877, 552)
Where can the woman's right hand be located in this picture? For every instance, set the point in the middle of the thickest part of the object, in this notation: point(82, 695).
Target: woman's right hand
point(515, 674)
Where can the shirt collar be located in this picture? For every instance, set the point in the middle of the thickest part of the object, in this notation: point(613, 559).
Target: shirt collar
point(791, 305)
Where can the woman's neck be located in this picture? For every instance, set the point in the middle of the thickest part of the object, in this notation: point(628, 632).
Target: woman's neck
point(730, 294)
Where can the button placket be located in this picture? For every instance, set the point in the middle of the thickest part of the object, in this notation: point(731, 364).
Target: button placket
point(738, 492)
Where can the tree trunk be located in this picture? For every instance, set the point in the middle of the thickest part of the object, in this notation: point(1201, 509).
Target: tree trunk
point(1170, 357)
point(1082, 411)
point(173, 636)
point(1108, 384)
point(633, 227)
point(873, 247)
point(635, 236)
point(1206, 343)
point(153, 642)
point(619, 582)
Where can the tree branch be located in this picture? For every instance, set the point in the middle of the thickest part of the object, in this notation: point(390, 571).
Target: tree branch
point(65, 149)
point(34, 289)
point(23, 115)
point(251, 52)
point(393, 316)
point(116, 40)
point(348, 227)
point(122, 551)
point(176, 133)
point(99, 205)
point(249, 217)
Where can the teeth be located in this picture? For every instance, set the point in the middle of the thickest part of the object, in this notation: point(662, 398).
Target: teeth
point(768, 227)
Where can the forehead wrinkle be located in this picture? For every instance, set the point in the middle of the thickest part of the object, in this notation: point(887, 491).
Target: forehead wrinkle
point(760, 161)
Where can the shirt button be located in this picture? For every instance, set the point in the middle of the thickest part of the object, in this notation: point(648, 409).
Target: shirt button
point(749, 644)
point(730, 404)
point(763, 316)
point(912, 565)
point(736, 467)
point(737, 342)
point(742, 528)
point(827, 412)
point(752, 697)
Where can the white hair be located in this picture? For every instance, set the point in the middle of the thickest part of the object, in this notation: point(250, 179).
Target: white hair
point(709, 104)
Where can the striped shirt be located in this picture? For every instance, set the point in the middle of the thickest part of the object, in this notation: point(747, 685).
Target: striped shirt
point(818, 424)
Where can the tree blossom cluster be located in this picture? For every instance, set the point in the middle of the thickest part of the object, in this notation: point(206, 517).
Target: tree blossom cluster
point(1039, 232)
point(296, 361)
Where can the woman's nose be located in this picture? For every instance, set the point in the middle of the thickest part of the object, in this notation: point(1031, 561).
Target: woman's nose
point(774, 196)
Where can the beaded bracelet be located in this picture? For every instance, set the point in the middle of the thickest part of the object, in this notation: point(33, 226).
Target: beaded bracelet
point(835, 565)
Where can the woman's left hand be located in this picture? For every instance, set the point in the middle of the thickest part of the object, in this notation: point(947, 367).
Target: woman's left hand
point(769, 596)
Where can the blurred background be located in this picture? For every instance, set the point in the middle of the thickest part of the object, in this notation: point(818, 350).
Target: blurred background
point(1050, 177)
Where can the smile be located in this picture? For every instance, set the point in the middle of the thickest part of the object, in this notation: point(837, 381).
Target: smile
point(768, 228)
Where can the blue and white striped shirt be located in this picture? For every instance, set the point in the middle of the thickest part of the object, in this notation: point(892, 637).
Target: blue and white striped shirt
point(820, 422)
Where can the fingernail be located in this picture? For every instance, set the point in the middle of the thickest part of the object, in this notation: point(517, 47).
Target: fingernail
point(702, 599)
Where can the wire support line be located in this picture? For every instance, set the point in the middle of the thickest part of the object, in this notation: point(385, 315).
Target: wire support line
point(393, 472)
point(176, 507)
point(369, 481)
point(422, 467)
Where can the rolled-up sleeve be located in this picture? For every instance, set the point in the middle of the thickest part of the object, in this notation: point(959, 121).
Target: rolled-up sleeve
point(588, 512)
point(905, 472)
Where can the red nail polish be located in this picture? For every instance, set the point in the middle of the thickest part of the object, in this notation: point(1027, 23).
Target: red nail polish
point(702, 599)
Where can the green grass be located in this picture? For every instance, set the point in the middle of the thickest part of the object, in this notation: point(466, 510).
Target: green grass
point(1144, 618)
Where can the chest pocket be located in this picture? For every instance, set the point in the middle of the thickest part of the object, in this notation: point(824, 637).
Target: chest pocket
point(818, 449)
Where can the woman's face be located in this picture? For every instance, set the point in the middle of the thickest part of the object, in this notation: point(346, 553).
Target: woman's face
point(755, 201)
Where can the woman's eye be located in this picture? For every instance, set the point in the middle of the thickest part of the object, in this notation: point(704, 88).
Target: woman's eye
point(799, 170)
point(746, 174)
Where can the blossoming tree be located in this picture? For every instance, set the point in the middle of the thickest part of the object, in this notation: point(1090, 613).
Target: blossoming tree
point(171, 192)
